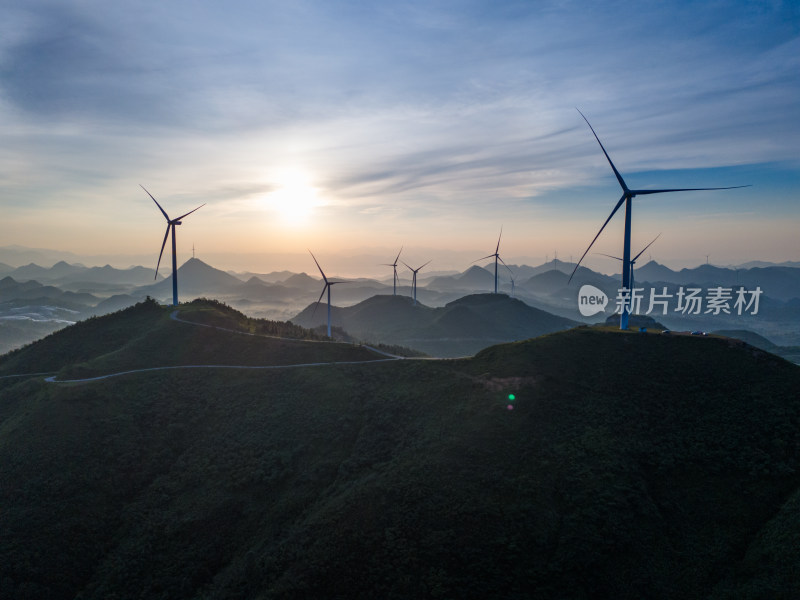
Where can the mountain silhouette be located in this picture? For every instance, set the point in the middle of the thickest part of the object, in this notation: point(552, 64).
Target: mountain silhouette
point(459, 328)
point(474, 279)
point(583, 464)
point(195, 277)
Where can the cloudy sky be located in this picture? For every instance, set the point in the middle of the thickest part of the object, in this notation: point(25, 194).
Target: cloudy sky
point(357, 127)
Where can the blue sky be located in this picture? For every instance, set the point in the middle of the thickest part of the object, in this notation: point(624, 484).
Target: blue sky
point(353, 127)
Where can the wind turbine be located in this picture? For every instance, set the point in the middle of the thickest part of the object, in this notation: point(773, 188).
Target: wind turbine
point(171, 223)
point(414, 278)
point(496, 257)
point(635, 258)
point(394, 266)
point(328, 285)
point(627, 196)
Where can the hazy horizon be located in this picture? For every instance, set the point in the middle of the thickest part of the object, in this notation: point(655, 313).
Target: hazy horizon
point(352, 127)
point(362, 263)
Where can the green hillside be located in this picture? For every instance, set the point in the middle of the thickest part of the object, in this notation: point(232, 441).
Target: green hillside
point(145, 336)
point(790, 353)
point(626, 466)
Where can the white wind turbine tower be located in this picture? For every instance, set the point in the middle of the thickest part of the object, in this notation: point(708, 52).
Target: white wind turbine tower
point(394, 267)
point(497, 258)
point(634, 259)
point(414, 278)
point(327, 286)
point(171, 223)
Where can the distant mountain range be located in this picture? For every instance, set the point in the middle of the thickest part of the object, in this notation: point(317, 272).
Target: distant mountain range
point(65, 274)
point(782, 283)
point(283, 295)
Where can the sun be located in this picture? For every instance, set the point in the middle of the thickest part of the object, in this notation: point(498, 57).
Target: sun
point(295, 198)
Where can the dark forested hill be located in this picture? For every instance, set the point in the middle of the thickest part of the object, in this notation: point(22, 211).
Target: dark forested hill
point(459, 328)
point(582, 464)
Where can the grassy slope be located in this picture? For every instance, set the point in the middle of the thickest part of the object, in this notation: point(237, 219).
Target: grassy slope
point(412, 479)
point(144, 336)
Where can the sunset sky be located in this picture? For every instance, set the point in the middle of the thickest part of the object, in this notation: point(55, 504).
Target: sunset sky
point(355, 128)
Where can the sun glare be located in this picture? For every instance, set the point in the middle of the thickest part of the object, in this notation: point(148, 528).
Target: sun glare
point(295, 198)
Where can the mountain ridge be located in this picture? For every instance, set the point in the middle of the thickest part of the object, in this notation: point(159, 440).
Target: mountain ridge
point(460, 328)
point(409, 478)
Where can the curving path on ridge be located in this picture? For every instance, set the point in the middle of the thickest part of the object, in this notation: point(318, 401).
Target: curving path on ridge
point(174, 316)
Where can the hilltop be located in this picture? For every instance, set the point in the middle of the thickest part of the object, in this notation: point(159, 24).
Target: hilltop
point(459, 328)
point(626, 465)
point(146, 336)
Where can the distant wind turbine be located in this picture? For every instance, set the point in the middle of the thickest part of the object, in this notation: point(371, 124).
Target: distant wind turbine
point(496, 257)
point(627, 196)
point(414, 278)
point(171, 223)
point(328, 285)
point(635, 258)
point(394, 267)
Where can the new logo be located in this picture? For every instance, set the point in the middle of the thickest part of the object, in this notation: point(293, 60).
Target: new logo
point(591, 300)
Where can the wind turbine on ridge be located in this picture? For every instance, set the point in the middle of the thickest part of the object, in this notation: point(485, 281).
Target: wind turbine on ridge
point(635, 258)
point(171, 223)
point(327, 286)
point(394, 266)
point(496, 257)
point(627, 197)
point(414, 278)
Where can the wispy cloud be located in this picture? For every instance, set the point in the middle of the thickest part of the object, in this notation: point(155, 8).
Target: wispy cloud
point(396, 109)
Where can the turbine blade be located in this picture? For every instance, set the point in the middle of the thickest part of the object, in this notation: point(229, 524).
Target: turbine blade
point(484, 258)
point(325, 279)
point(645, 248)
point(398, 255)
point(313, 312)
point(407, 265)
point(505, 265)
point(497, 250)
point(163, 212)
point(160, 254)
point(608, 255)
point(613, 212)
point(427, 263)
point(191, 211)
point(645, 192)
point(608, 158)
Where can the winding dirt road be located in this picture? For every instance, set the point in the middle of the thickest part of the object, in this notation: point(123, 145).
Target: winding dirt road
point(174, 317)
